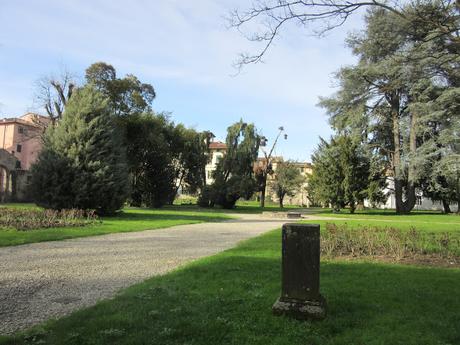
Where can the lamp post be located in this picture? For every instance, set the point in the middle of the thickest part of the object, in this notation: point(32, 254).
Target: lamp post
point(267, 166)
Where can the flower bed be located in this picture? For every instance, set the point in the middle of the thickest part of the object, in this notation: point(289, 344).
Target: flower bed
point(30, 219)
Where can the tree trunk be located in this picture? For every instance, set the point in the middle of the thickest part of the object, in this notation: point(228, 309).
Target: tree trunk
point(396, 159)
point(281, 201)
point(410, 190)
point(352, 207)
point(458, 192)
point(262, 192)
point(446, 206)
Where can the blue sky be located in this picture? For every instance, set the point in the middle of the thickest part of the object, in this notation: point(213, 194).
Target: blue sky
point(185, 51)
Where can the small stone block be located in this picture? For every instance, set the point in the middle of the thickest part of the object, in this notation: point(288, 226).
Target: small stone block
point(294, 215)
point(300, 297)
point(300, 310)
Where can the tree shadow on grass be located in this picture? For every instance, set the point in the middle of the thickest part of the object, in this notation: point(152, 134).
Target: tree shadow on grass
point(148, 215)
point(227, 299)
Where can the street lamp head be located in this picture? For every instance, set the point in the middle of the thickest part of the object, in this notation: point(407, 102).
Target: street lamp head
point(281, 128)
point(263, 141)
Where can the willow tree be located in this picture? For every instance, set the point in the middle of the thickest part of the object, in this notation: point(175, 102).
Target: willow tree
point(234, 175)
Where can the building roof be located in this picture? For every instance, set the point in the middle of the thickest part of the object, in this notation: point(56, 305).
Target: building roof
point(29, 119)
point(217, 145)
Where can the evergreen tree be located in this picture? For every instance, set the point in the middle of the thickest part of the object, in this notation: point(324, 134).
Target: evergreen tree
point(386, 98)
point(343, 175)
point(84, 156)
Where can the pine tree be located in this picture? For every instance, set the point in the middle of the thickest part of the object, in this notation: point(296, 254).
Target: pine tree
point(85, 148)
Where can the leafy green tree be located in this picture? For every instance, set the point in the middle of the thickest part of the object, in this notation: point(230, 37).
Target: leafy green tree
point(162, 157)
point(127, 95)
point(190, 156)
point(149, 159)
point(287, 181)
point(83, 163)
point(234, 175)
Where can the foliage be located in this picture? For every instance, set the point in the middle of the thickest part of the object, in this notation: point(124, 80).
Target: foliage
point(82, 164)
point(162, 157)
point(234, 175)
point(190, 156)
point(343, 175)
point(32, 219)
point(126, 95)
point(287, 181)
point(387, 98)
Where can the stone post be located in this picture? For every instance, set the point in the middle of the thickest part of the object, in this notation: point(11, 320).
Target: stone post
point(300, 297)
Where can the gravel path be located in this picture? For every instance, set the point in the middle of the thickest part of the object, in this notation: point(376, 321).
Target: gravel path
point(45, 280)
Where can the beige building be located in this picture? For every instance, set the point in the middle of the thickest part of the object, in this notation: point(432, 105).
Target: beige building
point(301, 196)
point(217, 151)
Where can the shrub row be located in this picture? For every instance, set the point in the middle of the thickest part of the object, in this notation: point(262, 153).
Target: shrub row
point(340, 240)
point(27, 219)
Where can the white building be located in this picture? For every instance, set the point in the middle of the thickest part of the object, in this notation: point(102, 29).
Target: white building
point(422, 203)
point(216, 152)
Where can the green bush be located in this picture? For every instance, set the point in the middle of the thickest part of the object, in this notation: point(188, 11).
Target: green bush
point(27, 219)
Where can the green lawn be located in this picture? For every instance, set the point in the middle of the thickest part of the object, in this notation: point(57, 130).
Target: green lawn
point(428, 222)
point(227, 299)
point(242, 206)
point(131, 219)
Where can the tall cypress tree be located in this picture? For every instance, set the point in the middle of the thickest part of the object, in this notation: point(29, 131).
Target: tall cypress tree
point(86, 147)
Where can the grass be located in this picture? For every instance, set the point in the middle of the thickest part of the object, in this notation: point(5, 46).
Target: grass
point(227, 299)
point(390, 215)
point(242, 206)
point(131, 219)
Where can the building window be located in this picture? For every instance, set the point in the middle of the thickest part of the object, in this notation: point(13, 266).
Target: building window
point(21, 130)
point(18, 164)
point(18, 148)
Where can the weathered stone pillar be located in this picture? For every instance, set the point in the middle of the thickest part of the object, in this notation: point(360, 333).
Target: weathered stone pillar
point(300, 297)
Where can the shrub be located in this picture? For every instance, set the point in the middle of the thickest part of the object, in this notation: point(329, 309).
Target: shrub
point(340, 240)
point(23, 219)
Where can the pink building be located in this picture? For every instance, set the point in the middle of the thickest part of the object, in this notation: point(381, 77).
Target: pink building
point(20, 140)
point(22, 137)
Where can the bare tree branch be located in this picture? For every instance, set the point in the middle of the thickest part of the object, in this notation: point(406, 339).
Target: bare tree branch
point(272, 15)
point(52, 94)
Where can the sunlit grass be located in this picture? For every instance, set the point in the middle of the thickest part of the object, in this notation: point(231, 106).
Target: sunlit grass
point(227, 299)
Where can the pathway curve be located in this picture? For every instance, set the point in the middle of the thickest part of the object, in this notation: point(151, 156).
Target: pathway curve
point(45, 280)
